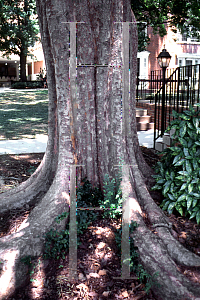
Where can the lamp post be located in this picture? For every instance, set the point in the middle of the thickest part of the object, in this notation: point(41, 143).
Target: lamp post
point(163, 59)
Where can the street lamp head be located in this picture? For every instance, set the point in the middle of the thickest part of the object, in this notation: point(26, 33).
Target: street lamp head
point(164, 58)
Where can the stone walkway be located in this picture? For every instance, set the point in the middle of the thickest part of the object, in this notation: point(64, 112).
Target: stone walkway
point(38, 144)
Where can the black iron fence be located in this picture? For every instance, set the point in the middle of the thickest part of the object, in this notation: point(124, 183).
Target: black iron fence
point(182, 88)
point(147, 88)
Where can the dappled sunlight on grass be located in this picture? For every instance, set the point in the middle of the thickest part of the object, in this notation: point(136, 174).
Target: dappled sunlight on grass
point(23, 114)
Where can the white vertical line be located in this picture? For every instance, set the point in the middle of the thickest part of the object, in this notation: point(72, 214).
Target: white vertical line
point(125, 246)
point(125, 79)
point(72, 226)
point(72, 71)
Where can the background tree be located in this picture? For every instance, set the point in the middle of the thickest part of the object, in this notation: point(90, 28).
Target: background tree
point(18, 29)
point(88, 133)
point(183, 14)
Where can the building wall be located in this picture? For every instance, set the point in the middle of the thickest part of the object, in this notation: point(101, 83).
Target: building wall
point(182, 52)
point(37, 66)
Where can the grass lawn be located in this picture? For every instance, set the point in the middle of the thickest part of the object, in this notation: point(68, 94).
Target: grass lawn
point(23, 113)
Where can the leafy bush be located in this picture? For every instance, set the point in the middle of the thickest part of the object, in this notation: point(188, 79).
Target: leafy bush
point(178, 172)
point(112, 197)
point(27, 84)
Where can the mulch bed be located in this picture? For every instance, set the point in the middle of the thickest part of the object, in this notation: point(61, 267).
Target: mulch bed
point(98, 262)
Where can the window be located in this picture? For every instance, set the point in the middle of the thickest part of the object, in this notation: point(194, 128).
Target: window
point(188, 37)
point(184, 37)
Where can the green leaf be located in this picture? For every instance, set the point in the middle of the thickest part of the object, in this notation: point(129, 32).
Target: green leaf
point(184, 173)
point(171, 207)
point(196, 122)
point(176, 158)
point(166, 187)
point(187, 112)
point(195, 165)
point(196, 209)
point(183, 131)
point(190, 188)
point(180, 162)
point(172, 188)
point(196, 195)
point(179, 209)
point(175, 149)
point(172, 175)
point(161, 181)
point(184, 117)
point(186, 152)
point(171, 197)
point(198, 217)
point(189, 202)
point(196, 180)
point(190, 126)
point(197, 143)
point(165, 204)
point(175, 114)
point(193, 215)
point(183, 187)
point(183, 142)
point(182, 197)
point(182, 178)
point(190, 143)
point(156, 187)
point(194, 202)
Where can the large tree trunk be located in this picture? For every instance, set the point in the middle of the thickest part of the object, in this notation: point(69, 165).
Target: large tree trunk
point(23, 65)
point(89, 133)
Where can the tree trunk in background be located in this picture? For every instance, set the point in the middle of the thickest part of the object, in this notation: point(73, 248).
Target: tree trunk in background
point(23, 65)
point(89, 133)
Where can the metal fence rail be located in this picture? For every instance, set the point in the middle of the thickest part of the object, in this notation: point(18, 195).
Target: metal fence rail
point(182, 88)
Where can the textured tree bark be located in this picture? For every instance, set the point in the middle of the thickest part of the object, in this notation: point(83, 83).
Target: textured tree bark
point(23, 65)
point(89, 133)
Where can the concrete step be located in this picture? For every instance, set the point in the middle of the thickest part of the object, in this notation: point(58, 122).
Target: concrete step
point(159, 146)
point(143, 119)
point(165, 141)
point(144, 100)
point(143, 126)
point(151, 125)
point(141, 112)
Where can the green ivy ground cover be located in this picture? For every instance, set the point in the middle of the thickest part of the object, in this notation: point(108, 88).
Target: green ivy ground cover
point(23, 113)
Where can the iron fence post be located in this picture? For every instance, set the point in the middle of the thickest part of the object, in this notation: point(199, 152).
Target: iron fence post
point(163, 101)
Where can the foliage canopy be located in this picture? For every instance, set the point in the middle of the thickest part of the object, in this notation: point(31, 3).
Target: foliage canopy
point(18, 26)
point(182, 14)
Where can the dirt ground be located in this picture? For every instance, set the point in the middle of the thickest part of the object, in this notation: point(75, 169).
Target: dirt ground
point(98, 259)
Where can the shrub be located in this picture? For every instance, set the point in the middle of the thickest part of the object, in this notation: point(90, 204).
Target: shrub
point(112, 197)
point(178, 172)
point(27, 84)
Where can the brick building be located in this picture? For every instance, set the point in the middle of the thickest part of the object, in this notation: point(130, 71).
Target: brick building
point(184, 51)
point(9, 68)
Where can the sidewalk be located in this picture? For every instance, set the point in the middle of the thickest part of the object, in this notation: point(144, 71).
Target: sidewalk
point(39, 144)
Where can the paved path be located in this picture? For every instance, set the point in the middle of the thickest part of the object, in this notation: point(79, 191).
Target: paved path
point(38, 144)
